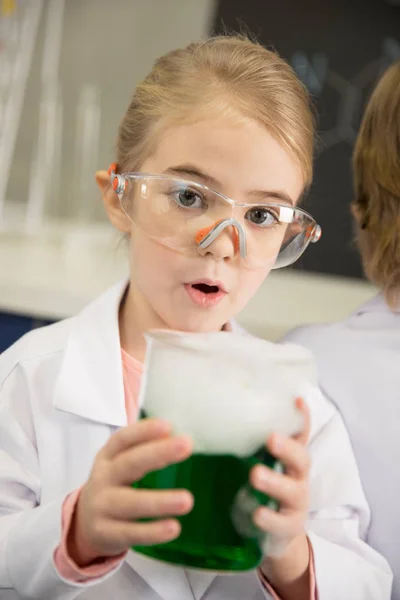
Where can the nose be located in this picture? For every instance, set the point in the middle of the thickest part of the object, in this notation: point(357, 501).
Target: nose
point(222, 240)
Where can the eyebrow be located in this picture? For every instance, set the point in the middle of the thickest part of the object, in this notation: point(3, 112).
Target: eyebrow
point(193, 171)
point(278, 194)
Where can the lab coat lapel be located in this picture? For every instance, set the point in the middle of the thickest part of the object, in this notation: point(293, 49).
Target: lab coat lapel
point(200, 581)
point(90, 382)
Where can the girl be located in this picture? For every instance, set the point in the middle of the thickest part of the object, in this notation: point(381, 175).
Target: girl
point(365, 378)
point(213, 156)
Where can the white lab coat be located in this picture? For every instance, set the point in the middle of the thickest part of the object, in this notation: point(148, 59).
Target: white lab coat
point(61, 397)
point(359, 370)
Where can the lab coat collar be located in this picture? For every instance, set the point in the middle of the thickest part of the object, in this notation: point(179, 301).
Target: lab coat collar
point(90, 383)
point(376, 304)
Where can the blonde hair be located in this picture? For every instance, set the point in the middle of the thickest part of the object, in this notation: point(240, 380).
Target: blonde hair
point(224, 74)
point(376, 167)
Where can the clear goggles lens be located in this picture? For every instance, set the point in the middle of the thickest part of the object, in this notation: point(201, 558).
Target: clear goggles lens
point(190, 217)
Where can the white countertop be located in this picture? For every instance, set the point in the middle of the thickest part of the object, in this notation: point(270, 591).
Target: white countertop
point(55, 274)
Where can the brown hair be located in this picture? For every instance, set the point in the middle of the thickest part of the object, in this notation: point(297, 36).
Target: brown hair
point(376, 167)
point(229, 74)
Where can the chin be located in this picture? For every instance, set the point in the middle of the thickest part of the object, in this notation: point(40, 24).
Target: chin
point(199, 323)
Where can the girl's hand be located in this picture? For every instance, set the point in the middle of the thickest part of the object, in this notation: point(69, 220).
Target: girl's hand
point(104, 522)
point(287, 561)
point(290, 488)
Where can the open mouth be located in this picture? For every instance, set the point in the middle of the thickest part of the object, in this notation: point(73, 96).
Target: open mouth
point(206, 289)
point(205, 294)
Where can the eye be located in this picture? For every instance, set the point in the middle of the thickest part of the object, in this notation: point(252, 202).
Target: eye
point(188, 198)
point(261, 216)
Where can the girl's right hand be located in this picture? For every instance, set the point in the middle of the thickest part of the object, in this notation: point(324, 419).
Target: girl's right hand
point(105, 520)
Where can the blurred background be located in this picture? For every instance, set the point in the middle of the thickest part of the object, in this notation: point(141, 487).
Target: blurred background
point(67, 71)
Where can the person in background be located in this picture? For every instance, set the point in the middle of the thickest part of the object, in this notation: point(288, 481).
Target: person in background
point(359, 358)
point(213, 156)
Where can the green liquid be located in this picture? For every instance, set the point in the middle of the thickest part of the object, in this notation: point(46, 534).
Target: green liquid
point(218, 534)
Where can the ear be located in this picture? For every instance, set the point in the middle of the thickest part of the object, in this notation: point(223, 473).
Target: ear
point(112, 204)
point(355, 211)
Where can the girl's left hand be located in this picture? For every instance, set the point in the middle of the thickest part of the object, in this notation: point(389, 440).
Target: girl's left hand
point(290, 488)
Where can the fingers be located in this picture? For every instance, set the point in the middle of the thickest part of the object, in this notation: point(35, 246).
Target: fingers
point(291, 488)
point(280, 525)
point(133, 464)
point(132, 435)
point(290, 492)
point(140, 534)
point(292, 453)
point(127, 504)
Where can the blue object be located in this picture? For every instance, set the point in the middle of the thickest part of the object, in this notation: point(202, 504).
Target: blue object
point(12, 327)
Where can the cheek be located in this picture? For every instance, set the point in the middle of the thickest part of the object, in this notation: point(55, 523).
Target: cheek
point(249, 282)
point(151, 263)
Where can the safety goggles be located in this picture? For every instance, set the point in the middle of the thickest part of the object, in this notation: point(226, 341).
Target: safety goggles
point(190, 217)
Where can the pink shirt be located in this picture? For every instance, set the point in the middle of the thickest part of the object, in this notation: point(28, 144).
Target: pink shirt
point(132, 370)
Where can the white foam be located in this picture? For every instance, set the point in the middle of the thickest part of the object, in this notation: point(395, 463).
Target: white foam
point(228, 391)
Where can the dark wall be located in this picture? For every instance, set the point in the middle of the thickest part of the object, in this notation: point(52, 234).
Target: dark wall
point(338, 48)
